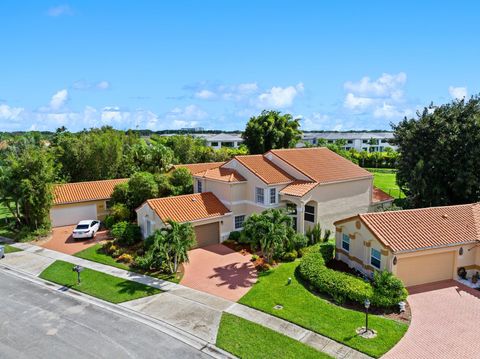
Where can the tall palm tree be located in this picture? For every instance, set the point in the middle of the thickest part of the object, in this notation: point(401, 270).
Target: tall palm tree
point(181, 238)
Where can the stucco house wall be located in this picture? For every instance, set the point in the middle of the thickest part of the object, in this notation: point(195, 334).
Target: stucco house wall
point(102, 210)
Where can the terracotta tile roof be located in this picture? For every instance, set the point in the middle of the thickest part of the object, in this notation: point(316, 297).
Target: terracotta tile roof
point(379, 196)
point(189, 207)
point(425, 228)
point(84, 191)
point(222, 174)
point(321, 164)
point(265, 169)
point(298, 188)
point(199, 167)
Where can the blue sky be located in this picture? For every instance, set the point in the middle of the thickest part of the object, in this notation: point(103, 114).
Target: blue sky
point(168, 64)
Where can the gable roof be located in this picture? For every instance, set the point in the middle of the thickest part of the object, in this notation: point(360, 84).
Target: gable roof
point(222, 174)
point(199, 167)
point(321, 164)
point(298, 188)
point(379, 196)
point(265, 169)
point(425, 228)
point(84, 191)
point(189, 207)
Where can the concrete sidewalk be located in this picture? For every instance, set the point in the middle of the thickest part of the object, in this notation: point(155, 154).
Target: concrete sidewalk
point(192, 311)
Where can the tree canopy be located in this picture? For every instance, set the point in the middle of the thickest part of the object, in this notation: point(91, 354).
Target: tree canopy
point(270, 130)
point(439, 152)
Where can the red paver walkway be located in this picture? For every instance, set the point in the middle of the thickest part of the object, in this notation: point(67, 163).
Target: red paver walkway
point(220, 271)
point(62, 240)
point(445, 317)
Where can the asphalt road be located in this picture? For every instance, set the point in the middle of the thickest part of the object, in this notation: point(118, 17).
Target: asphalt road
point(36, 322)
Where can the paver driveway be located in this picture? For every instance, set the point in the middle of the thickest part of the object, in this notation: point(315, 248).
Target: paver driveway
point(220, 271)
point(445, 317)
point(62, 240)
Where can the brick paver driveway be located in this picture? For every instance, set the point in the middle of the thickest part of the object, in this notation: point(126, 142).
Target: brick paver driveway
point(62, 240)
point(445, 319)
point(220, 271)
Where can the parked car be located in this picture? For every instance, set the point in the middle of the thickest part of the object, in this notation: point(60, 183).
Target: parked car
point(86, 229)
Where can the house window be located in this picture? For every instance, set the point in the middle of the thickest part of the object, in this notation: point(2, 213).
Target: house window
point(259, 195)
point(214, 144)
point(239, 221)
point(310, 214)
point(199, 186)
point(375, 258)
point(273, 195)
point(346, 242)
point(364, 141)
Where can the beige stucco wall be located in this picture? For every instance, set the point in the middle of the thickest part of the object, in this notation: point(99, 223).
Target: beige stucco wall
point(145, 213)
point(102, 210)
point(359, 255)
point(361, 243)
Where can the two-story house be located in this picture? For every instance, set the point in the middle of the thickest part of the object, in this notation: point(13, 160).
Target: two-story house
point(314, 185)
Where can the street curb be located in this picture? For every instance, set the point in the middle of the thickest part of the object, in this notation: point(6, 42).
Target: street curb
point(183, 336)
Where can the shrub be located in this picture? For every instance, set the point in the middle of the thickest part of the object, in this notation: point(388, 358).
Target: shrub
point(299, 241)
point(254, 257)
point(109, 221)
point(109, 248)
point(326, 235)
point(125, 258)
point(326, 249)
point(234, 236)
point(290, 256)
point(120, 212)
point(386, 290)
point(125, 233)
point(314, 234)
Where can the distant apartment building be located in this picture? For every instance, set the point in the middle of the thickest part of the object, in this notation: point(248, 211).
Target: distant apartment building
point(360, 141)
point(221, 140)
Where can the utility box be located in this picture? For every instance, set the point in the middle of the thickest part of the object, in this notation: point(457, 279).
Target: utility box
point(2, 251)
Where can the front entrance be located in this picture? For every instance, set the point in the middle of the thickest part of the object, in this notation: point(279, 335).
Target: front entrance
point(207, 234)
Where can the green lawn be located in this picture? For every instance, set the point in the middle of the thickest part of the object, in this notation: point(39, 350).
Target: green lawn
point(95, 254)
point(387, 182)
point(245, 340)
point(97, 284)
point(10, 249)
point(312, 312)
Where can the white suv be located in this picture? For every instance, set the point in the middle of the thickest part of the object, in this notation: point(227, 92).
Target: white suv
point(86, 229)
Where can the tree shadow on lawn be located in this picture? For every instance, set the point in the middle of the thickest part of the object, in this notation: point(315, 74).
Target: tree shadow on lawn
point(130, 287)
point(235, 276)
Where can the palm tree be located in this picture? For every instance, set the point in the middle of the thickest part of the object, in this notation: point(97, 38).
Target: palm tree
point(180, 238)
point(271, 231)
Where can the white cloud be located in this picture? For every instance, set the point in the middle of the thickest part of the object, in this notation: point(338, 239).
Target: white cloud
point(58, 100)
point(458, 93)
point(10, 113)
point(390, 112)
point(60, 10)
point(85, 85)
point(387, 85)
point(279, 97)
point(205, 95)
point(355, 102)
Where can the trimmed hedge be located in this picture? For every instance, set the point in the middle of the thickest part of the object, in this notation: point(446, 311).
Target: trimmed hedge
point(385, 291)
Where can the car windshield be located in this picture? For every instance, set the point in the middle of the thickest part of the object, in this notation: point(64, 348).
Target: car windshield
point(82, 226)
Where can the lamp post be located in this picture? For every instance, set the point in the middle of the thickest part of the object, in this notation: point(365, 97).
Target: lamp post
point(367, 305)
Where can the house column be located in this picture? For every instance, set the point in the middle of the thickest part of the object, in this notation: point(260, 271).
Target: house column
point(301, 218)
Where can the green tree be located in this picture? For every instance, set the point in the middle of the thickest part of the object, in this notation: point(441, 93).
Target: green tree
point(271, 231)
point(120, 193)
point(271, 130)
point(26, 179)
point(141, 186)
point(439, 152)
point(181, 181)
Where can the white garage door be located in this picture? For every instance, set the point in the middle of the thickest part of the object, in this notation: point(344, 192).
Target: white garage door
point(72, 215)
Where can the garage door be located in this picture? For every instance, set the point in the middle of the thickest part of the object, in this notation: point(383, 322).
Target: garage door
point(72, 215)
point(425, 268)
point(207, 234)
